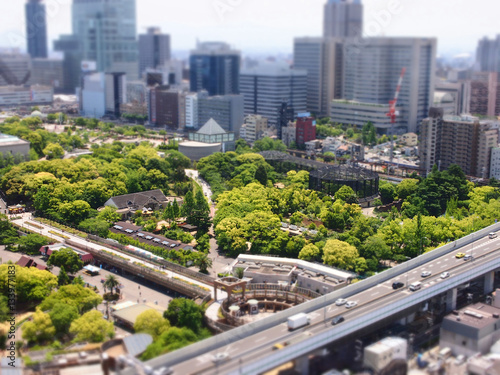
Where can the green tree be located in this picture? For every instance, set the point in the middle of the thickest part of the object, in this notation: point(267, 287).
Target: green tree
point(75, 212)
point(67, 259)
point(8, 234)
point(62, 316)
point(152, 322)
point(261, 174)
point(267, 143)
point(203, 262)
point(172, 339)
point(407, 188)
point(62, 278)
point(95, 226)
point(82, 298)
point(32, 284)
point(31, 243)
point(188, 204)
point(39, 329)
point(387, 192)
point(53, 151)
point(4, 309)
point(239, 272)
point(109, 215)
point(310, 252)
point(340, 254)
point(111, 283)
point(344, 193)
point(92, 327)
point(184, 312)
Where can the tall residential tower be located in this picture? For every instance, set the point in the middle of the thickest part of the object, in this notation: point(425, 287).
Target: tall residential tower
point(154, 49)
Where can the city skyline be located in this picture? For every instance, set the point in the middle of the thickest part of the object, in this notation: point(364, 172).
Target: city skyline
point(251, 26)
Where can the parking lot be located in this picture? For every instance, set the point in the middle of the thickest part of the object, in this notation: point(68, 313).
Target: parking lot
point(148, 238)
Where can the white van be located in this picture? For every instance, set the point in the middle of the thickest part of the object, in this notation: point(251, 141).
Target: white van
point(492, 235)
point(415, 286)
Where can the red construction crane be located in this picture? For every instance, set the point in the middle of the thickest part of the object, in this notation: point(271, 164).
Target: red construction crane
point(392, 111)
point(392, 104)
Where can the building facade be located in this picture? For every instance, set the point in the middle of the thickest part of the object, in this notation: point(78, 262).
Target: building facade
point(215, 67)
point(226, 110)
point(13, 96)
point(495, 163)
point(372, 68)
point(488, 55)
point(36, 29)
point(103, 31)
point(343, 19)
point(192, 111)
point(305, 128)
point(167, 107)
point(461, 140)
point(485, 94)
point(460, 92)
point(93, 95)
point(116, 93)
point(15, 69)
point(255, 127)
point(265, 88)
point(322, 59)
point(154, 49)
point(48, 72)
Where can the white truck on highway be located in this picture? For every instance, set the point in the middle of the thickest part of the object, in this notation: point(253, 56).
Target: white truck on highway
point(298, 321)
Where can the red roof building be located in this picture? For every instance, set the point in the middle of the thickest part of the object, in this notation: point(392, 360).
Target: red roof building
point(84, 257)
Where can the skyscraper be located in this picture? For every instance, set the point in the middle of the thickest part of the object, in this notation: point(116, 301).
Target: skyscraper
point(488, 55)
point(371, 71)
point(154, 49)
point(36, 29)
point(104, 31)
point(215, 67)
point(343, 19)
point(322, 59)
point(266, 87)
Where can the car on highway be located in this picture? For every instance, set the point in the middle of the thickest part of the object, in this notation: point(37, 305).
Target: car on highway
point(340, 302)
point(350, 304)
point(397, 285)
point(278, 346)
point(459, 255)
point(445, 275)
point(426, 273)
point(492, 235)
point(220, 357)
point(468, 257)
point(337, 320)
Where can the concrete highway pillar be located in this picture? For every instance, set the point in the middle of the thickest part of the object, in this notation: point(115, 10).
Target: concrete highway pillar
point(451, 299)
point(302, 365)
point(489, 278)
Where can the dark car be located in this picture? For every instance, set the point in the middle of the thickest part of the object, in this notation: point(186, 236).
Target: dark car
point(337, 320)
point(397, 285)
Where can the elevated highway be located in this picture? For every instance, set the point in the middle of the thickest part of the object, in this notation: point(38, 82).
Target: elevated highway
point(248, 349)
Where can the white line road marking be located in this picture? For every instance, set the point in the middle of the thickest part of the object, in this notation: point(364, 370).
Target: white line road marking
point(374, 294)
point(261, 339)
point(438, 262)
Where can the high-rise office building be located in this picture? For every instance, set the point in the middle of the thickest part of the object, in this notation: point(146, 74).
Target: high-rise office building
point(36, 29)
point(488, 55)
point(485, 94)
point(371, 71)
point(48, 72)
point(227, 110)
point(93, 95)
point(167, 107)
point(322, 59)
point(15, 69)
point(265, 88)
point(343, 19)
point(462, 140)
point(116, 93)
point(154, 49)
point(215, 67)
point(103, 31)
point(459, 91)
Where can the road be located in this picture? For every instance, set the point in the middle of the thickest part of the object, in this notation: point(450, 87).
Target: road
point(257, 346)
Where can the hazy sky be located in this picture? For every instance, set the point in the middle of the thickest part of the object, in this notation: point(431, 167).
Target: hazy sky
point(269, 26)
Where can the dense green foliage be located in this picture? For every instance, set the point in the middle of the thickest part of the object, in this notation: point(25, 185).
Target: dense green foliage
point(32, 285)
point(66, 259)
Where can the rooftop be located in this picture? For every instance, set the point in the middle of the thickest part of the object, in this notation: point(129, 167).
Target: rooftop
point(130, 314)
point(211, 127)
point(475, 316)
